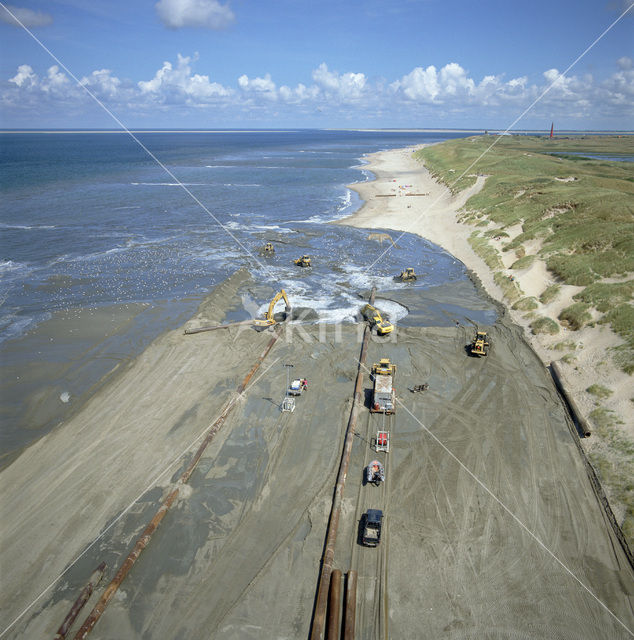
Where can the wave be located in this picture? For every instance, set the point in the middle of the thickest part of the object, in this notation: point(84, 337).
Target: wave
point(8, 265)
point(170, 184)
point(27, 227)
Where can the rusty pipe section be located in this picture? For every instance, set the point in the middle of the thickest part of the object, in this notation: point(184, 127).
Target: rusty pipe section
point(215, 327)
point(145, 537)
point(319, 617)
point(351, 606)
point(78, 605)
point(334, 606)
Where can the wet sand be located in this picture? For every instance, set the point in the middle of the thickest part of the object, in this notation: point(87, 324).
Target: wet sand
point(238, 556)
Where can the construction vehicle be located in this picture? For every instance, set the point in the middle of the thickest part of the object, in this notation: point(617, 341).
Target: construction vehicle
point(481, 344)
point(373, 316)
point(407, 275)
point(374, 473)
point(297, 387)
point(269, 316)
point(304, 261)
point(371, 527)
point(382, 441)
point(384, 395)
point(268, 248)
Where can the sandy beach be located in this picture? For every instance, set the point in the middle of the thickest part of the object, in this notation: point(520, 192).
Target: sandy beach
point(493, 526)
point(405, 197)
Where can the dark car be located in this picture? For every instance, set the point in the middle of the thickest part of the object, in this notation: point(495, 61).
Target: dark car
point(371, 527)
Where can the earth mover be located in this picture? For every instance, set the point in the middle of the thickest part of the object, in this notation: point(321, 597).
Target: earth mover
point(407, 275)
point(384, 395)
point(304, 261)
point(269, 317)
point(373, 316)
point(481, 344)
point(268, 248)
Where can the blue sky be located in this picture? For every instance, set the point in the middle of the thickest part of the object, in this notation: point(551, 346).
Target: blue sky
point(299, 63)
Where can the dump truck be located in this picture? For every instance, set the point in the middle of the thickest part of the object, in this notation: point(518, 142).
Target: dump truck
point(384, 396)
point(481, 344)
point(406, 275)
point(304, 261)
point(371, 527)
point(373, 316)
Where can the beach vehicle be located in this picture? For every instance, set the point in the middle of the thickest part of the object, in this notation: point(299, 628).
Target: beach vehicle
point(268, 248)
point(407, 275)
point(382, 441)
point(371, 522)
point(384, 395)
point(297, 387)
point(374, 473)
point(269, 317)
point(304, 261)
point(481, 344)
point(373, 316)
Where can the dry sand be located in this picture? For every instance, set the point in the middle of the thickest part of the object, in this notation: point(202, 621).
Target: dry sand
point(238, 556)
point(435, 217)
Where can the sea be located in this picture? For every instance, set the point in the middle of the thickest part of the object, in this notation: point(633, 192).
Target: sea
point(103, 220)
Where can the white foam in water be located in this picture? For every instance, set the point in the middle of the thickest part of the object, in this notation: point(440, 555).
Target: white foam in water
point(64, 397)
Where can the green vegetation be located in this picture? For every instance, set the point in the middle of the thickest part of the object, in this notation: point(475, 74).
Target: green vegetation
point(523, 263)
point(565, 345)
point(510, 288)
point(482, 247)
point(526, 304)
point(580, 209)
point(599, 391)
point(549, 294)
point(614, 464)
point(544, 325)
point(575, 316)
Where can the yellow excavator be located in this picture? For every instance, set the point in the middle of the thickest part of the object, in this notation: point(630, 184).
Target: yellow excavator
point(373, 316)
point(304, 261)
point(269, 316)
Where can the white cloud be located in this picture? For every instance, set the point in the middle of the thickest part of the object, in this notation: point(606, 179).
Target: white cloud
point(26, 17)
point(209, 14)
point(262, 86)
point(102, 83)
point(24, 77)
point(348, 86)
point(171, 84)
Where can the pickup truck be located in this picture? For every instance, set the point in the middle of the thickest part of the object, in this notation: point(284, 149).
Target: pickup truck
point(371, 527)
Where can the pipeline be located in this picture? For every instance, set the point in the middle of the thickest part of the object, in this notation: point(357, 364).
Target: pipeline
point(78, 605)
point(334, 606)
point(317, 630)
point(351, 606)
point(584, 426)
point(145, 537)
point(215, 327)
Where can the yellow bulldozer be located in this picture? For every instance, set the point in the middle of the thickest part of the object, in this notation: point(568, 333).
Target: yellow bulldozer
point(373, 316)
point(269, 316)
point(407, 275)
point(268, 248)
point(481, 344)
point(304, 261)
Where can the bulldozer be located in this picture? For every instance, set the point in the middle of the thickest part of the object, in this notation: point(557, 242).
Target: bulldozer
point(268, 248)
point(373, 316)
point(269, 317)
point(407, 275)
point(481, 344)
point(304, 261)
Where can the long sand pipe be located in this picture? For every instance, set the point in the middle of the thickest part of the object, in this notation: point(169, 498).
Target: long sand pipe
point(146, 536)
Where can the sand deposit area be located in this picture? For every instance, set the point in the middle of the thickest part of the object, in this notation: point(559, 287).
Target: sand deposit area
point(238, 556)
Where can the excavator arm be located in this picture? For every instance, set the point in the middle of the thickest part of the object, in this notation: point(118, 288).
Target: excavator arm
point(269, 316)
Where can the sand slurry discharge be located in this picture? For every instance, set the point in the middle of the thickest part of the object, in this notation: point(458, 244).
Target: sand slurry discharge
point(238, 556)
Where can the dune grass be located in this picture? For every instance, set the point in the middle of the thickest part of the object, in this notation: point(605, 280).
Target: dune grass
point(579, 208)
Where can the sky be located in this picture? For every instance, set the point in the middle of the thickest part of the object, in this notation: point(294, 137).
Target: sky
point(210, 64)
